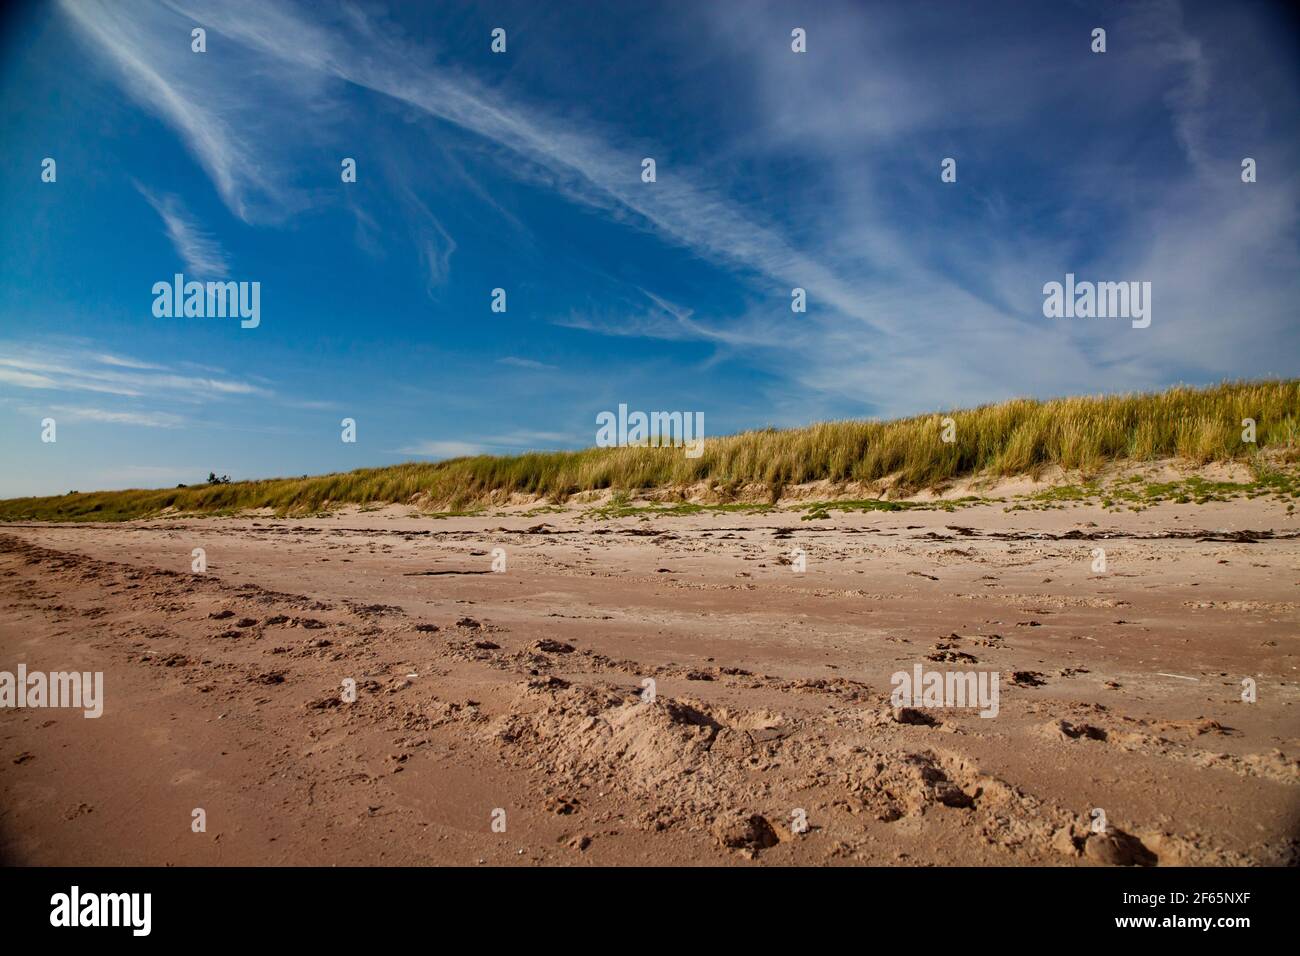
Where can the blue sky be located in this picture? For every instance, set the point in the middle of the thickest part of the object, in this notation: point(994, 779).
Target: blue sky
point(522, 171)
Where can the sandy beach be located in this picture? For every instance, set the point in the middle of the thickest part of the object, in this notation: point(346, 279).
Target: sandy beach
point(507, 716)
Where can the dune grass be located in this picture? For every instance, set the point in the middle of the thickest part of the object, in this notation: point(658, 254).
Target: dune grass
point(1020, 437)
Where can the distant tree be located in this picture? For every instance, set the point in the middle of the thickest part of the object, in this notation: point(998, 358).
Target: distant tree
point(214, 480)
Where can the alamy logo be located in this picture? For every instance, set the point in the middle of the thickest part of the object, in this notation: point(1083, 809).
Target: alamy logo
point(84, 691)
point(1099, 300)
point(927, 689)
point(103, 909)
point(212, 300)
point(658, 429)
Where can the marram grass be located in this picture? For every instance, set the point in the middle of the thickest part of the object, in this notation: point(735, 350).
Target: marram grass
point(1019, 437)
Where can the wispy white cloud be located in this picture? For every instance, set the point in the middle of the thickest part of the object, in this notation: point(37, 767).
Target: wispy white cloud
point(202, 255)
point(84, 413)
point(76, 370)
point(155, 78)
point(493, 445)
point(214, 107)
point(107, 358)
point(517, 362)
point(25, 379)
point(433, 243)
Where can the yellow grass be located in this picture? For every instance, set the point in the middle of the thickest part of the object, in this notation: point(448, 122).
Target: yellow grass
point(1018, 437)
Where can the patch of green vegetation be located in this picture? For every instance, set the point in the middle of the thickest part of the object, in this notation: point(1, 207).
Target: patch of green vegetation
point(613, 510)
point(1063, 493)
point(680, 509)
point(1134, 491)
point(823, 509)
point(1277, 481)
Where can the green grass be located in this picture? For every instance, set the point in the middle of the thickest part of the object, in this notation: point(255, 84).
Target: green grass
point(823, 509)
point(1138, 493)
point(1020, 437)
point(620, 507)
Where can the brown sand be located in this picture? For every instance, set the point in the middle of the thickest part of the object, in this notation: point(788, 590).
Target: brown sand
point(520, 690)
